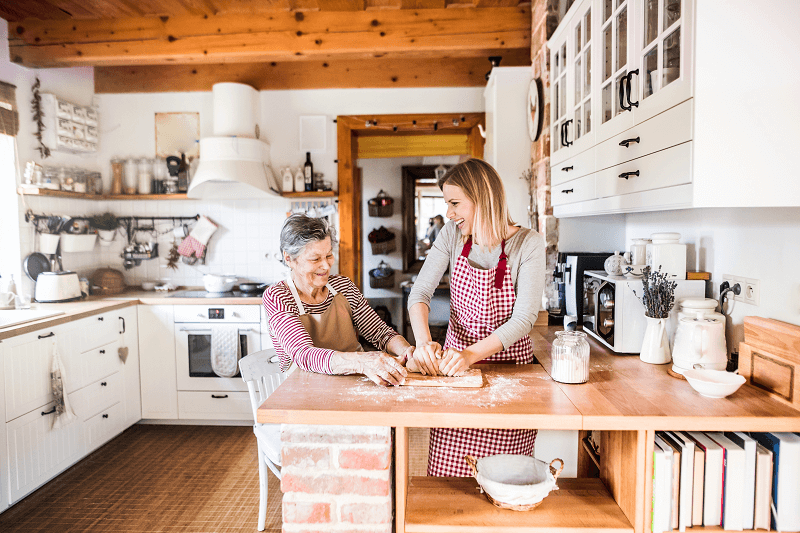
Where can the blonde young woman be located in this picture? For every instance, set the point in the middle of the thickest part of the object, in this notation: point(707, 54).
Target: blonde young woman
point(496, 283)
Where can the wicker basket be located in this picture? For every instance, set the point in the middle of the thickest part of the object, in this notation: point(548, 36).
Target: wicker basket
point(473, 463)
point(381, 283)
point(381, 206)
point(385, 247)
point(107, 281)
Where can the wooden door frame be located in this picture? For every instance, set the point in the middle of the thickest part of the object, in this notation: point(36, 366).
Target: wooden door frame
point(349, 128)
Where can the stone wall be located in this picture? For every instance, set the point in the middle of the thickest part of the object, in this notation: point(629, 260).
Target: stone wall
point(336, 479)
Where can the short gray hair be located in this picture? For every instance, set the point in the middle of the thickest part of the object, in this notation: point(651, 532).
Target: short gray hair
point(300, 229)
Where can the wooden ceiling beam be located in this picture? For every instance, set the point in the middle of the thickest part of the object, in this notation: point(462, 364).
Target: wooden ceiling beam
point(369, 73)
point(283, 36)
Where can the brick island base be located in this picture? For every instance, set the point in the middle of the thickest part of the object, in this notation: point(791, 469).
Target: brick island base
point(336, 479)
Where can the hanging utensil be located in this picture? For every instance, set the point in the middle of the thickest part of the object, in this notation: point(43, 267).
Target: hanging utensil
point(35, 264)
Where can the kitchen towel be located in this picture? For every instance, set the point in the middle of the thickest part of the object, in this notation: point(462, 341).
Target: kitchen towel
point(225, 350)
point(194, 246)
point(64, 413)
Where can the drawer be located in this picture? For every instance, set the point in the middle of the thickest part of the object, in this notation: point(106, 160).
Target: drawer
point(99, 330)
point(670, 128)
point(98, 396)
point(223, 405)
point(104, 426)
point(661, 169)
point(574, 167)
point(101, 362)
point(578, 190)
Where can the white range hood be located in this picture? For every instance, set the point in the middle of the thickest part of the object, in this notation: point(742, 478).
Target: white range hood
point(234, 164)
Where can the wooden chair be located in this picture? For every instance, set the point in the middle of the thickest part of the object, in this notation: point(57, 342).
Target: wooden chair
point(261, 371)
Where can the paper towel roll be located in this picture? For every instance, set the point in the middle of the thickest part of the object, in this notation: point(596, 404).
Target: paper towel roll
point(236, 110)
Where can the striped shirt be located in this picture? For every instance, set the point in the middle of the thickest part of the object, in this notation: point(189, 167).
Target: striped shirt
point(291, 340)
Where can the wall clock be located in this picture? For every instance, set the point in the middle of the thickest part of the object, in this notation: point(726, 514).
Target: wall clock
point(535, 108)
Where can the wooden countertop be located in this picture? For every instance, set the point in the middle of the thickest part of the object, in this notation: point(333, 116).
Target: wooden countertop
point(623, 393)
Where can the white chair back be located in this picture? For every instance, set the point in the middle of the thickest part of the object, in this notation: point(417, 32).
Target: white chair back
point(262, 373)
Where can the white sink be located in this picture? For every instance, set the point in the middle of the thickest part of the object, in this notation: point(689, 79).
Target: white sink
point(15, 317)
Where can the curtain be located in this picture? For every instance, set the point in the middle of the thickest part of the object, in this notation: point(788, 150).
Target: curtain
point(9, 116)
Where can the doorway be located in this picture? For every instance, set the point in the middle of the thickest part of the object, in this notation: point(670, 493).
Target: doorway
point(423, 213)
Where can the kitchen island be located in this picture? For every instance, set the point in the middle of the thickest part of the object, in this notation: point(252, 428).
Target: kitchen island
point(624, 403)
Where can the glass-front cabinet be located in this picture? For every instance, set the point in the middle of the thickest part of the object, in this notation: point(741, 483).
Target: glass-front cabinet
point(616, 32)
point(559, 82)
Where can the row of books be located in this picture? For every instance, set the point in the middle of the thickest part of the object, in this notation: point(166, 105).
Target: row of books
point(734, 480)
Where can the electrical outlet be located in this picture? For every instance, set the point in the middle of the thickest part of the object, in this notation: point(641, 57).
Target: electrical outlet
point(750, 292)
point(733, 280)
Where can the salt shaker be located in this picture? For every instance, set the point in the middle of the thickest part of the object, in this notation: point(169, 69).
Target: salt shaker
point(570, 357)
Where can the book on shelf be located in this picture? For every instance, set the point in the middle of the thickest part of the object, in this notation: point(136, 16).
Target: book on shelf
point(713, 478)
point(676, 476)
point(733, 489)
point(748, 444)
point(661, 516)
point(763, 489)
point(689, 454)
point(785, 449)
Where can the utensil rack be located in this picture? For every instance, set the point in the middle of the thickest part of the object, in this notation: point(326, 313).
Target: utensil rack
point(33, 217)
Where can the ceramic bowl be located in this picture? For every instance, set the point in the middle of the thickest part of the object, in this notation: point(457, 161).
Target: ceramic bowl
point(148, 285)
point(714, 383)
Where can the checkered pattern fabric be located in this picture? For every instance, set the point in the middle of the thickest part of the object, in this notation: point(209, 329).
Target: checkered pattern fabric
point(480, 302)
point(191, 247)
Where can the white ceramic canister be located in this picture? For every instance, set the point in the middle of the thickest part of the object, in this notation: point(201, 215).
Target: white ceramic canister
point(639, 251)
point(696, 307)
point(299, 180)
point(287, 180)
point(667, 255)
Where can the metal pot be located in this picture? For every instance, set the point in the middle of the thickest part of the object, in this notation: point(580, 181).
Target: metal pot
point(252, 287)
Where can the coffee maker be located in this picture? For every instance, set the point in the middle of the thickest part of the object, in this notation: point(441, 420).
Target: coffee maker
point(568, 277)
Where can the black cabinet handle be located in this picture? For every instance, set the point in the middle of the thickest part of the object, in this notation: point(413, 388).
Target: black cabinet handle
point(562, 134)
point(626, 175)
point(50, 412)
point(103, 384)
point(100, 318)
point(567, 191)
point(48, 335)
point(567, 169)
point(628, 83)
point(123, 325)
point(105, 416)
point(102, 351)
point(566, 132)
point(628, 142)
point(622, 104)
point(219, 397)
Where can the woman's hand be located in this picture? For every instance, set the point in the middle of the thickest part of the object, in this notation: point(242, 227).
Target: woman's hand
point(453, 363)
point(426, 358)
point(406, 356)
point(381, 368)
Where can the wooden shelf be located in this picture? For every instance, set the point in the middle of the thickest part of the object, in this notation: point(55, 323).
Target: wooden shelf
point(35, 191)
point(311, 194)
point(455, 505)
point(592, 455)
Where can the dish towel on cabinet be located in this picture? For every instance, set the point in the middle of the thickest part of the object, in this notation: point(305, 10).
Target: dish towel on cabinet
point(225, 350)
point(64, 413)
point(194, 246)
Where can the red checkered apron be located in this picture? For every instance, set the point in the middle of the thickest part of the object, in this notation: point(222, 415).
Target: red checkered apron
point(480, 302)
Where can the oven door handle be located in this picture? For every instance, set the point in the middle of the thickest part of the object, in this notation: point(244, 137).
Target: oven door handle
point(194, 330)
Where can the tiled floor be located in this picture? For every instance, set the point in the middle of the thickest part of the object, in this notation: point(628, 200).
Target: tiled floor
point(156, 479)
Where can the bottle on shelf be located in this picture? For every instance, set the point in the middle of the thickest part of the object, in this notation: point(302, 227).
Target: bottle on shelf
point(308, 173)
point(299, 180)
point(183, 175)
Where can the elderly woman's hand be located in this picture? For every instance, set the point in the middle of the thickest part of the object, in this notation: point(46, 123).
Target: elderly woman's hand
point(382, 368)
point(426, 358)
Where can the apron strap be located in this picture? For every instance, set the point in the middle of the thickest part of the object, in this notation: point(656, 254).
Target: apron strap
point(467, 247)
point(293, 289)
point(500, 273)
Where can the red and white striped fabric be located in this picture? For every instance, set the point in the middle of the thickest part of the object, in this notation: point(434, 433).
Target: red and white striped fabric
point(480, 302)
point(291, 340)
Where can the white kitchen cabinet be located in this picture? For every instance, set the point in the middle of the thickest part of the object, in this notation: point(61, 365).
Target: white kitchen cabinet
point(104, 426)
point(99, 330)
point(507, 146)
point(669, 86)
point(157, 362)
point(220, 405)
point(129, 338)
point(5, 473)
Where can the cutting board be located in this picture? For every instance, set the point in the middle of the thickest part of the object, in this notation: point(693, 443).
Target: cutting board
point(769, 358)
point(472, 379)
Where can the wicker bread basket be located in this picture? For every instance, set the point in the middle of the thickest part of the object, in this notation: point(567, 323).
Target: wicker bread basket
point(108, 281)
point(515, 482)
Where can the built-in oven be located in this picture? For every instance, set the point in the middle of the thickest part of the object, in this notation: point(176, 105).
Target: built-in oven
point(193, 330)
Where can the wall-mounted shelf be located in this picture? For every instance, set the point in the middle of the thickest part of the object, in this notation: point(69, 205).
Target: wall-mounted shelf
point(310, 194)
point(35, 191)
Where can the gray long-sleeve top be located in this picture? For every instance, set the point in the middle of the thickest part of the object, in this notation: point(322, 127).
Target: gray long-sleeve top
point(526, 257)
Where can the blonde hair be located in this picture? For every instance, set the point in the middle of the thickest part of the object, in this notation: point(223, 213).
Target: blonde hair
point(484, 188)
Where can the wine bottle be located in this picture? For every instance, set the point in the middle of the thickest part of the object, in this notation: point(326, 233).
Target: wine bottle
point(308, 173)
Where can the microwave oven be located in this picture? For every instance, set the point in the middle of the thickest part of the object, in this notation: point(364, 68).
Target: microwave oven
point(618, 319)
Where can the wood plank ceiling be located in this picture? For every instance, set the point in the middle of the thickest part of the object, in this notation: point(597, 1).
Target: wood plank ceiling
point(188, 45)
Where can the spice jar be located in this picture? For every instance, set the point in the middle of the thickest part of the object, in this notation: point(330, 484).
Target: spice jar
point(145, 176)
point(94, 183)
point(570, 357)
point(67, 178)
point(116, 176)
point(79, 183)
point(131, 176)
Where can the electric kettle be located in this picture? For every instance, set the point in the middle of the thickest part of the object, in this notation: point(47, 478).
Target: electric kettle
point(700, 340)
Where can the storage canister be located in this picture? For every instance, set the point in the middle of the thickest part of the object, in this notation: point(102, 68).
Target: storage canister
point(570, 357)
point(667, 255)
point(116, 176)
point(131, 176)
point(145, 176)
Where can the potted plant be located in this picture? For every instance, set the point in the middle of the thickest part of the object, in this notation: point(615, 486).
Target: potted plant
point(658, 297)
point(106, 225)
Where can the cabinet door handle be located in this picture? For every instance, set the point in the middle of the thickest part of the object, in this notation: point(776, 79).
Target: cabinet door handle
point(561, 131)
point(567, 191)
point(628, 83)
point(102, 351)
point(566, 133)
point(627, 142)
point(50, 412)
point(626, 175)
point(105, 416)
point(103, 384)
point(100, 318)
point(123, 325)
point(51, 334)
point(622, 94)
point(567, 169)
point(219, 396)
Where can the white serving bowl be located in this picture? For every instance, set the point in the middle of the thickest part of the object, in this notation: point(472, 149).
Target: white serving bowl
point(148, 285)
point(218, 284)
point(714, 383)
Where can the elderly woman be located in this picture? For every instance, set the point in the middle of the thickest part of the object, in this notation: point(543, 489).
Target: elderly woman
point(315, 318)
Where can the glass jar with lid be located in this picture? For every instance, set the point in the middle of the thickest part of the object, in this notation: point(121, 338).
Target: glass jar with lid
point(50, 179)
point(570, 357)
point(67, 177)
point(94, 183)
point(116, 176)
point(145, 176)
point(131, 176)
point(80, 180)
